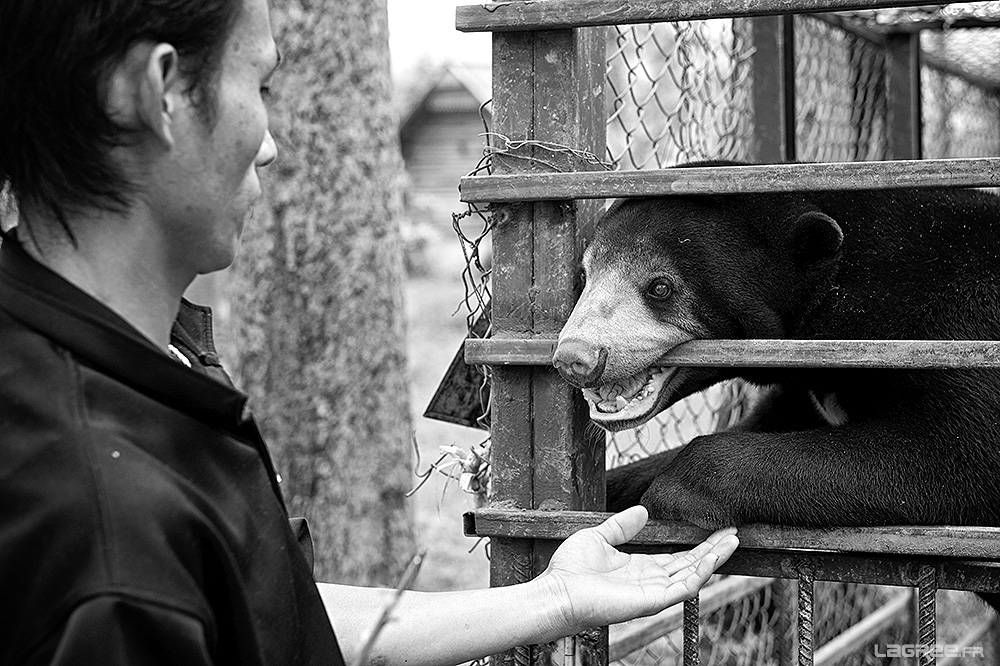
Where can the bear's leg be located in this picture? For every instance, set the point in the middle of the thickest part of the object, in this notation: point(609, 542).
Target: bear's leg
point(775, 410)
point(857, 474)
point(626, 484)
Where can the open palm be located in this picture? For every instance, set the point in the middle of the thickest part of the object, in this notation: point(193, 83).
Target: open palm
point(602, 585)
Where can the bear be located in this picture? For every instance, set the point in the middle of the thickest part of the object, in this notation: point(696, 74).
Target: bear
point(822, 446)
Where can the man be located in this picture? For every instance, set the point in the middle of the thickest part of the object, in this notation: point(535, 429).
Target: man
point(140, 519)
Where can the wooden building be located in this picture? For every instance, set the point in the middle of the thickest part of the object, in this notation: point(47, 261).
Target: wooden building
point(441, 137)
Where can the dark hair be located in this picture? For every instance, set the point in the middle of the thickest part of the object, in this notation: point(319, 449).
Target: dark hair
point(55, 56)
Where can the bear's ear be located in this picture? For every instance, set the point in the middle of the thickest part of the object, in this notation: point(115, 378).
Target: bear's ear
point(815, 237)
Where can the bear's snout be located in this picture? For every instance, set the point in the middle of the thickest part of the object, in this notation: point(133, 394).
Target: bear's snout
point(580, 363)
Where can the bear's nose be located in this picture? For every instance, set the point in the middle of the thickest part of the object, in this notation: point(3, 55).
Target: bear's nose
point(580, 363)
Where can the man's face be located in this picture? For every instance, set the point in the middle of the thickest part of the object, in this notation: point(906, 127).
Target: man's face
point(211, 177)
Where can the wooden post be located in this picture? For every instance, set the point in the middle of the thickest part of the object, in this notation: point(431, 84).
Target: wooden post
point(903, 96)
point(774, 88)
point(547, 86)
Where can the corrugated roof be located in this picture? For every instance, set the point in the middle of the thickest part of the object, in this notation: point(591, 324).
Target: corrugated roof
point(475, 79)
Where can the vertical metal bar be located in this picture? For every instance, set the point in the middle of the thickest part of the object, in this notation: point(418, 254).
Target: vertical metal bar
point(905, 118)
point(547, 86)
point(806, 588)
point(692, 656)
point(927, 613)
point(773, 65)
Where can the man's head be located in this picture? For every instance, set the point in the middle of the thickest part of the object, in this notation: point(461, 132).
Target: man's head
point(56, 57)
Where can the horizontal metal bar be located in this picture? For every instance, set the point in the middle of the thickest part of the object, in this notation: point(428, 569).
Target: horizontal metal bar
point(561, 14)
point(784, 562)
point(887, 175)
point(860, 635)
point(628, 637)
point(857, 29)
point(911, 354)
point(968, 23)
point(877, 37)
point(969, 639)
point(953, 574)
point(908, 540)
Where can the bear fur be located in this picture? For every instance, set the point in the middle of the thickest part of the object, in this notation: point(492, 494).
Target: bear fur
point(822, 447)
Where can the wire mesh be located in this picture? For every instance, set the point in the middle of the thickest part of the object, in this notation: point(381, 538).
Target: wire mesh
point(683, 92)
point(960, 117)
point(678, 92)
point(840, 94)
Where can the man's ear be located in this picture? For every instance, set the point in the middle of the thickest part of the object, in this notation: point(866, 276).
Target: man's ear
point(144, 89)
point(160, 92)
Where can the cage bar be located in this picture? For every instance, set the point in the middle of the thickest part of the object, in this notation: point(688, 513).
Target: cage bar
point(547, 86)
point(908, 354)
point(806, 590)
point(903, 92)
point(926, 613)
point(774, 97)
point(748, 179)
point(541, 96)
point(520, 15)
point(692, 656)
point(903, 540)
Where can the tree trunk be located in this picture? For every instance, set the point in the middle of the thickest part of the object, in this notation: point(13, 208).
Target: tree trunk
point(318, 321)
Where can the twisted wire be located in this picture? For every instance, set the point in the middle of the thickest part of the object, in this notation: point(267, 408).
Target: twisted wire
point(806, 586)
point(691, 656)
point(926, 613)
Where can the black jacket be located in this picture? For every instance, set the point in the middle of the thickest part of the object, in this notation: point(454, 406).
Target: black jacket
point(140, 518)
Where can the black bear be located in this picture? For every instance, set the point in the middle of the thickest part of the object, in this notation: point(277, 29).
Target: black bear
point(823, 446)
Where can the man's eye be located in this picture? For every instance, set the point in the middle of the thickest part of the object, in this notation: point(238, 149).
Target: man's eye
point(266, 94)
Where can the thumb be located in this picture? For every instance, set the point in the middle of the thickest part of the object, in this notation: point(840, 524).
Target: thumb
point(621, 527)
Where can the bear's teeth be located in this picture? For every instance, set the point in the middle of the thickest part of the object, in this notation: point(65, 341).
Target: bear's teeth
point(621, 402)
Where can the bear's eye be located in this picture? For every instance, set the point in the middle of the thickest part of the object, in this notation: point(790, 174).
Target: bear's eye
point(660, 289)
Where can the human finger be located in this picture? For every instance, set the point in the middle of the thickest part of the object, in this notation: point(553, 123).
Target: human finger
point(676, 561)
point(720, 552)
point(622, 526)
point(686, 582)
point(719, 535)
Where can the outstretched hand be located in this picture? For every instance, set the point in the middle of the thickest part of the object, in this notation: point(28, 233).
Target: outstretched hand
point(601, 585)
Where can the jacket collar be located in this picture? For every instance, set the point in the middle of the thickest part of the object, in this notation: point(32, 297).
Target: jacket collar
point(52, 306)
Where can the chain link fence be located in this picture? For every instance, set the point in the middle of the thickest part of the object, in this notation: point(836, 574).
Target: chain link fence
point(840, 94)
point(961, 116)
point(682, 92)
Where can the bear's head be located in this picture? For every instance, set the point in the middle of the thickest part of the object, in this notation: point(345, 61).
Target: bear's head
point(660, 272)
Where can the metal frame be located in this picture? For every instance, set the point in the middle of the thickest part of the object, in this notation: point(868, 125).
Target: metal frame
point(545, 469)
